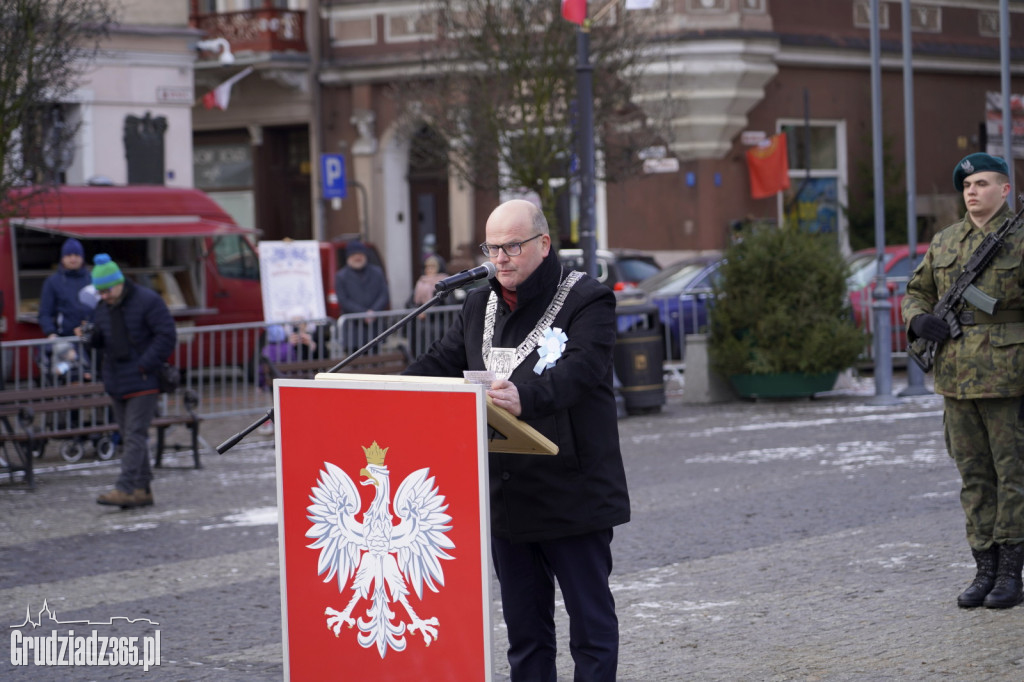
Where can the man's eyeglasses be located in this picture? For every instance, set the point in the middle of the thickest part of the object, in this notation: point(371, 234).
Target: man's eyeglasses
point(510, 249)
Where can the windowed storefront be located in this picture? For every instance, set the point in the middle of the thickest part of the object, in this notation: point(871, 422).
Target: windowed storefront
point(222, 165)
point(817, 177)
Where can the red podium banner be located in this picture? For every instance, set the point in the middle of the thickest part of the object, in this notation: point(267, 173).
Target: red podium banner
point(382, 498)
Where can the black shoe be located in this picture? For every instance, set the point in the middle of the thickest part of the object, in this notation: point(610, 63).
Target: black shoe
point(1007, 591)
point(984, 581)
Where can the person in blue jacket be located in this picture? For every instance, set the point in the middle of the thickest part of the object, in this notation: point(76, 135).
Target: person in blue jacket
point(61, 310)
point(134, 333)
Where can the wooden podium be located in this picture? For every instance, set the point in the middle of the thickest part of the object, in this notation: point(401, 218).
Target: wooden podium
point(505, 433)
point(384, 526)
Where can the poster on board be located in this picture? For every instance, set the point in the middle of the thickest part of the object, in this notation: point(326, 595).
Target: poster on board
point(291, 281)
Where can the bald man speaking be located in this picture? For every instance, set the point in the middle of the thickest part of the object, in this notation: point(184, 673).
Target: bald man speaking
point(547, 333)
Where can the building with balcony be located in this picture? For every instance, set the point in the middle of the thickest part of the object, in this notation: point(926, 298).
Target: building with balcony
point(736, 71)
point(133, 104)
point(254, 155)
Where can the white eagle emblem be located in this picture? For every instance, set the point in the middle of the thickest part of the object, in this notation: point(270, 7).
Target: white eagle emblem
point(384, 557)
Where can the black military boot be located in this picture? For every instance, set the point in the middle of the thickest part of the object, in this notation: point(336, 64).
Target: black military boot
point(975, 594)
point(1008, 588)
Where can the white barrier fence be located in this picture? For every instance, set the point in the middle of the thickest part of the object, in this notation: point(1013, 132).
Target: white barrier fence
point(221, 363)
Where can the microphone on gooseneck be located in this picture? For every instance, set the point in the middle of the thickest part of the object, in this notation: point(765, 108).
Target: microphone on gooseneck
point(485, 271)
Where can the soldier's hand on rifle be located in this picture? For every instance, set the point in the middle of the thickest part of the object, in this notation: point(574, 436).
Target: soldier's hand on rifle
point(930, 327)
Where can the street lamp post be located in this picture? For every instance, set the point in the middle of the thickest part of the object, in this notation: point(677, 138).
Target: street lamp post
point(585, 138)
point(585, 143)
point(1004, 79)
point(882, 306)
point(915, 375)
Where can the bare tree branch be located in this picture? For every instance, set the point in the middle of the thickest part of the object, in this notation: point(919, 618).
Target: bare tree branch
point(45, 47)
point(501, 91)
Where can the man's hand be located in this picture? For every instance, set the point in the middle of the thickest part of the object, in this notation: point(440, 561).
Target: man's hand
point(505, 394)
point(85, 332)
point(930, 327)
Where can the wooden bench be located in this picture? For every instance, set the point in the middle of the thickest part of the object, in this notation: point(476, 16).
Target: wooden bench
point(74, 411)
point(390, 362)
point(189, 418)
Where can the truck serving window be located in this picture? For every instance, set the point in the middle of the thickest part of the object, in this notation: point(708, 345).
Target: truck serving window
point(235, 258)
point(170, 266)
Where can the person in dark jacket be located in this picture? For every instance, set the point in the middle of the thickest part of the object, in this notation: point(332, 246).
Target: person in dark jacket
point(134, 333)
point(61, 310)
point(361, 287)
point(552, 518)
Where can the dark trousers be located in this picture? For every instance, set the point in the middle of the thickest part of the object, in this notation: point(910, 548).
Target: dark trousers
point(985, 437)
point(527, 574)
point(133, 417)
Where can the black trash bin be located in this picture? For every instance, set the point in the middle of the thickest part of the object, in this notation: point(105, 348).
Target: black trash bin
point(639, 354)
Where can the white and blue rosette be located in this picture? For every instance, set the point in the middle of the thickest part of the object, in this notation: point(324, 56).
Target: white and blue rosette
point(550, 349)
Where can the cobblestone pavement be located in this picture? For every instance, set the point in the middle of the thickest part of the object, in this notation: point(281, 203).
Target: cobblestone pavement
point(794, 540)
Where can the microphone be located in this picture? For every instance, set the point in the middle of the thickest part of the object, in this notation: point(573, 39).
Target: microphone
point(485, 271)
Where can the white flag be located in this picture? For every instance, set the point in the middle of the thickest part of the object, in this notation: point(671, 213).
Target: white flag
point(639, 4)
point(220, 96)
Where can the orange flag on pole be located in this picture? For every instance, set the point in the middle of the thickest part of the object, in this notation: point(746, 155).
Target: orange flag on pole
point(768, 165)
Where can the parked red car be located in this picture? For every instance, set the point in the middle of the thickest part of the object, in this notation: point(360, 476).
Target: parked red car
point(897, 267)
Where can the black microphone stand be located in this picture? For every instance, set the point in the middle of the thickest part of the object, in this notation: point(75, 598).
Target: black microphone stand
point(437, 298)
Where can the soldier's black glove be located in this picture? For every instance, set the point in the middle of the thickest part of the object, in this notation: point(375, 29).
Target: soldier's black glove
point(930, 327)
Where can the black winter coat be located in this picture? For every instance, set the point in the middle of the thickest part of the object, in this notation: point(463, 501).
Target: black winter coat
point(130, 365)
point(583, 488)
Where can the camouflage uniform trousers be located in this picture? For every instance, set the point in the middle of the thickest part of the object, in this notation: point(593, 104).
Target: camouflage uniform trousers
point(985, 437)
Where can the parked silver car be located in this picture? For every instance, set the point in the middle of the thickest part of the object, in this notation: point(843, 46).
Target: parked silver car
point(619, 269)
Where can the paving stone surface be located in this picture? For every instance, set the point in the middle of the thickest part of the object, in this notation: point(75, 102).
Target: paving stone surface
point(774, 540)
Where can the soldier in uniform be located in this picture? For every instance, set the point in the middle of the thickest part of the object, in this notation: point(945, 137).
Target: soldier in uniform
point(981, 375)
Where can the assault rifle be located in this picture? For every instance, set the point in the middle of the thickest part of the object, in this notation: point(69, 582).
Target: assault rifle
point(949, 306)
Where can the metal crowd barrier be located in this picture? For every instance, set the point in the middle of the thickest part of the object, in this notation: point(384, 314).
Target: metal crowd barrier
point(356, 329)
point(44, 362)
point(681, 315)
point(221, 363)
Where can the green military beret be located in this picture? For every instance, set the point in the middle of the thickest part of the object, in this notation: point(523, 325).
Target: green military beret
point(977, 163)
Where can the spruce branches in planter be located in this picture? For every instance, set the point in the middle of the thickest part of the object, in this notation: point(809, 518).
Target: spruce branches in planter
point(781, 307)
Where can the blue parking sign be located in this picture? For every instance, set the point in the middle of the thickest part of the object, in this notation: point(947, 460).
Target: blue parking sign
point(332, 176)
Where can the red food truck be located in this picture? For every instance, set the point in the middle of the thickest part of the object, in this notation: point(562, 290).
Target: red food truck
point(177, 241)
